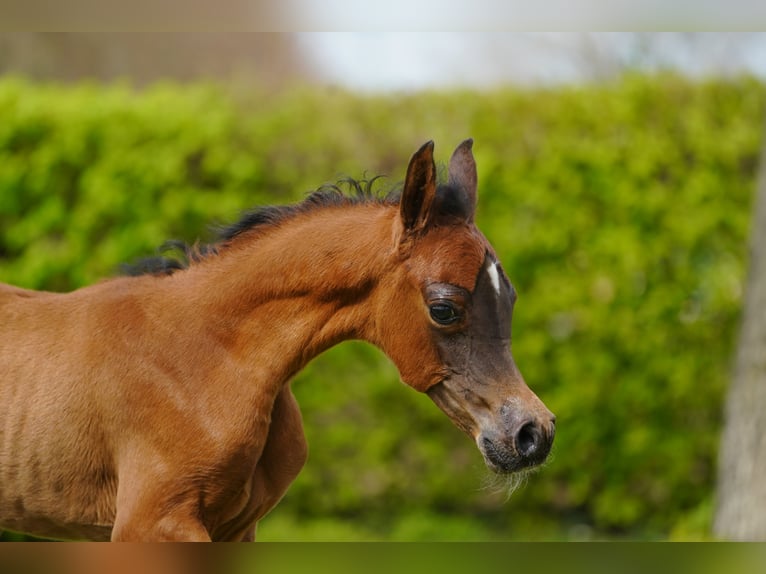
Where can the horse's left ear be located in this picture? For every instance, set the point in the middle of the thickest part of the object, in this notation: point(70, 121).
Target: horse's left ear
point(462, 174)
point(419, 189)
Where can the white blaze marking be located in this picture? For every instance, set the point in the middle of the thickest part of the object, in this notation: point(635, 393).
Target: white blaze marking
point(494, 276)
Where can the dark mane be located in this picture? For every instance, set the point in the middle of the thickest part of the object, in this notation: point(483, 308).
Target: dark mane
point(345, 193)
point(329, 195)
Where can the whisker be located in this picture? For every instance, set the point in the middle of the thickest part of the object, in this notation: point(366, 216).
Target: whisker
point(507, 484)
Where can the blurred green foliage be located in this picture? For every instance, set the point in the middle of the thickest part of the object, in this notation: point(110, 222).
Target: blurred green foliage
point(620, 212)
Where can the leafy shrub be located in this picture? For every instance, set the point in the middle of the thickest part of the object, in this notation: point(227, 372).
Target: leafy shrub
point(620, 212)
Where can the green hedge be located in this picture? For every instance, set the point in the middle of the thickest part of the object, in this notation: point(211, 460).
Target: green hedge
point(620, 212)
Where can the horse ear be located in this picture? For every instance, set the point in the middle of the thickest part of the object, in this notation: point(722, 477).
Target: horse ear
point(462, 174)
point(419, 189)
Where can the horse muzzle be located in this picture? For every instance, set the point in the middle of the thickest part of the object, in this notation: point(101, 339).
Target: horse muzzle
point(512, 428)
point(521, 445)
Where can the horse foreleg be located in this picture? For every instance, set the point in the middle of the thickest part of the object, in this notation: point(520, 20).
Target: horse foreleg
point(154, 508)
point(249, 535)
point(282, 459)
point(145, 524)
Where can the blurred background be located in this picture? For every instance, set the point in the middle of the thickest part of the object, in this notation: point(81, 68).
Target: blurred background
point(379, 61)
point(617, 181)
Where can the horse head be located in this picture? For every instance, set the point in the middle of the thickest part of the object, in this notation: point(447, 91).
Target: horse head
point(446, 321)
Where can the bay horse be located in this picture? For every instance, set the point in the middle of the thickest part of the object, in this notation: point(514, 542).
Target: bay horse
point(158, 406)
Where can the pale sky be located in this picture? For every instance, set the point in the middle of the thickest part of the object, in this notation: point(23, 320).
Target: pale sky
point(416, 60)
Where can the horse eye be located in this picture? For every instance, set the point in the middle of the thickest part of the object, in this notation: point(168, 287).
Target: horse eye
point(444, 313)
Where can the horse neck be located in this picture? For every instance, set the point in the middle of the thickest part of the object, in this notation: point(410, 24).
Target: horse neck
point(278, 297)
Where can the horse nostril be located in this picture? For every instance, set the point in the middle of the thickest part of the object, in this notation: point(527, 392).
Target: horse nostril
point(527, 440)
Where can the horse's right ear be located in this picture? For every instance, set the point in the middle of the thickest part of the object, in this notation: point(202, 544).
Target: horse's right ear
point(419, 189)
